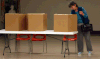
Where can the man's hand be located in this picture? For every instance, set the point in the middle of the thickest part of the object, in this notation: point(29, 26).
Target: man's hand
point(81, 13)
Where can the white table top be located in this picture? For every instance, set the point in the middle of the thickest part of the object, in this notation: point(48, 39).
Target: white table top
point(37, 32)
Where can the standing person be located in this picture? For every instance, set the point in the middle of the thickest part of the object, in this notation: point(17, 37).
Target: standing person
point(81, 15)
point(12, 9)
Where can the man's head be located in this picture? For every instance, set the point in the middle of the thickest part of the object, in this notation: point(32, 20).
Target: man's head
point(73, 5)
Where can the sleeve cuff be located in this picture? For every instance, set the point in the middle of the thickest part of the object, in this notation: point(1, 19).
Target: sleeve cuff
point(85, 16)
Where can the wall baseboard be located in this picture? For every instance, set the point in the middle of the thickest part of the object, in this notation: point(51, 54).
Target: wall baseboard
point(95, 33)
point(1, 34)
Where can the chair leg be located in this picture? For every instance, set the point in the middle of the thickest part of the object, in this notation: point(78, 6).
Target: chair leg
point(75, 47)
point(68, 48)
point(29, 46)
point(62, 47)
point(64, 52)
point(46, 46)
point(16, 46)
point(43, 46)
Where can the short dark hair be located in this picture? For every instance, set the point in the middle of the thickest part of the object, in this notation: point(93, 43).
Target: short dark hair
point(72, 3)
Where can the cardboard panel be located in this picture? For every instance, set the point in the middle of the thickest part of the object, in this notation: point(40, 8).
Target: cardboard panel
point(37, 22)
point(14, 22)
point(65, 22)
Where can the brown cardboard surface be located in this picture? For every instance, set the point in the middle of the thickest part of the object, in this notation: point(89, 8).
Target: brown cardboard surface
point(37, 21)
point(26, 22)
point(15, 22)
point(65, 22)
point(45, 22)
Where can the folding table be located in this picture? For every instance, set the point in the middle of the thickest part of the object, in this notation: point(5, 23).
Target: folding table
point(34, 32)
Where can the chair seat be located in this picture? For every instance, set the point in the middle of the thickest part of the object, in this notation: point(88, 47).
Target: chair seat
point(70, 39)
point(22, 38)
point(64, 39)
point(36, 39)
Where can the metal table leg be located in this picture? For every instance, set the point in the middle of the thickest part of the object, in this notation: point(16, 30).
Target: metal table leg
point(6, 43)
point(9, 43)
point(66, 48)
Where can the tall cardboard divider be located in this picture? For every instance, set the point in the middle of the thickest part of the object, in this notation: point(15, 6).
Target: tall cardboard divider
point(65, 22)
point(37, 21)
point(15, 22)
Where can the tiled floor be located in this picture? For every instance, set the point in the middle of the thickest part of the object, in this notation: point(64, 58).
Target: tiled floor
point(54, 50)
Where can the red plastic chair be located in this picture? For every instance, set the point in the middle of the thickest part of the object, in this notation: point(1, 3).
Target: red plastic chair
point(69, 39)
point(40, 39)
point(19, 38)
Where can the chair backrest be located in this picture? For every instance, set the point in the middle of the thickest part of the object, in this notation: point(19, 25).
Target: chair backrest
point(75, 35)
point(18, 35)
point(71, 39)
point(44, 36)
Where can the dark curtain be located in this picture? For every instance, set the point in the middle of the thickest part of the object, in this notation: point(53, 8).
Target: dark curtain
point(8, 4)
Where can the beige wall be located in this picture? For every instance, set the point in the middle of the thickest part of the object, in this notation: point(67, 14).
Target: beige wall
point(61, 6)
